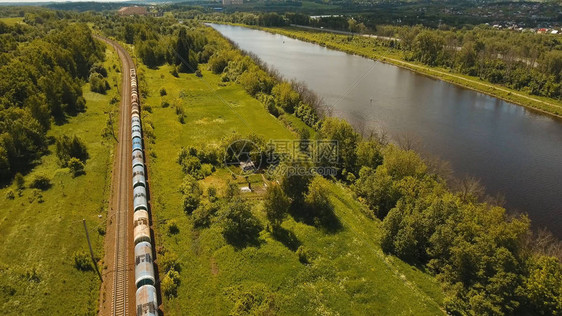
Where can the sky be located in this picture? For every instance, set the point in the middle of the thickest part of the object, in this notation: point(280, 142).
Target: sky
point(18, 1)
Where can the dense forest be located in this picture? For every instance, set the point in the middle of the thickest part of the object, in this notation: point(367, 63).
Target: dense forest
point(488, 261)
point(44, 63)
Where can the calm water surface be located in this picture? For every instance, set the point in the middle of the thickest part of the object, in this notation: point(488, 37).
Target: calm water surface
point(515, 152)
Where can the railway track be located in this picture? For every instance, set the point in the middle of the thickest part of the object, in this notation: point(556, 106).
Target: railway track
point(120, 278)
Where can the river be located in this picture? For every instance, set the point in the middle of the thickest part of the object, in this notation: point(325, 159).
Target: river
point(514, 151)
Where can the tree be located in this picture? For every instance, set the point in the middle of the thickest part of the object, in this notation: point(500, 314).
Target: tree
point(339, 131)
point(276, 204)
point(76, 166)
point(240, 227)
point(70, 147)
point(427, 48)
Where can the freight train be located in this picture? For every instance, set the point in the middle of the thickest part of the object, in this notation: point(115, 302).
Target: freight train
point(146, 298)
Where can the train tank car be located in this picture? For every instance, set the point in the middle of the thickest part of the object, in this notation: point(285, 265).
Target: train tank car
point(144, 269)
point(147, 301)
point(138, 158)
point(138, 176)
point(139, 198)
point(141, 229)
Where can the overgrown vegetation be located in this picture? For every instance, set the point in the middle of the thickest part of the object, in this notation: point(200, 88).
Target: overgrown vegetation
point(44, 64)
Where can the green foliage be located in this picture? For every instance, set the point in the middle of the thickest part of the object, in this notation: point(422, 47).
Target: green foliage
point(239, 226)
point(41, 182)
point(82, 261)
point(338, 130)
point(276, 204)
point(204, 213)
point(20, 181)
point(70, 147)
point(170, 283)
point(76, 166)
point(542, 288)
point(98, 83)
point(173, 227)
point(163, 92)
point(285, 97)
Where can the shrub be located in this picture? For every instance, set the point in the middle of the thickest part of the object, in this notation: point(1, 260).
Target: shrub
point(173, 227)
point(41, 182)
point(163, 92)
point(203, 214)
point(198, 73)
point(170, 283)
point(174, 72)
point(82, 261)
point(169, 261)
point(304, 256)
point(164, 104)
point(68, 147)
point(76, 167)
point(147, 108)
point(191, 202)
point(10, 195)
point(20, 181)
point(212, 193)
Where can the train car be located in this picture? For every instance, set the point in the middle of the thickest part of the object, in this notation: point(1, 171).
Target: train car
point(135, 110)
point(141, 229)
point(138, 158)
point(144, 268)
point(138, 176)
point(135, 120)
point(140, 201)
point(136, 131)
point(137, 144)
point(134, 97)
point(147, 301)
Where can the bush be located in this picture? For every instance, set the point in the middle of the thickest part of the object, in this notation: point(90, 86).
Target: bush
point(198, 73)
point(174, 72)
point(68, 147)
point(170, 283)
point(191, 202)
point(41, 182)
point(164, 104)
point(173, 227)
point(163, 92)
point(10, 195)
point(147, 108)
point(203, 214)
point(76, 167)
point(304, 256)
point(82, 261)
point(169, 261)
point(20, 181)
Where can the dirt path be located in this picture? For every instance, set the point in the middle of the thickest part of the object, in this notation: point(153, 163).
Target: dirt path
point(117, 295)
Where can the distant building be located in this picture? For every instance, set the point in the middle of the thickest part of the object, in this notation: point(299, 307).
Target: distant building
point(542, 31)
point(232, 2)
point(124, 11)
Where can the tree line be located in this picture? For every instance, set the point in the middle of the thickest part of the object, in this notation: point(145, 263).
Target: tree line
point(44, 65)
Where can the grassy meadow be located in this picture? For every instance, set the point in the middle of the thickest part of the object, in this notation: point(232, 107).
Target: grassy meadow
point(349, 274)
point(11, 21)
point(41, 230)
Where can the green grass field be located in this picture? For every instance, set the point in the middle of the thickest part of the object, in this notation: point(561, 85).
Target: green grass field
point(349, 273)
point(11, 21)
point(37, 273)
